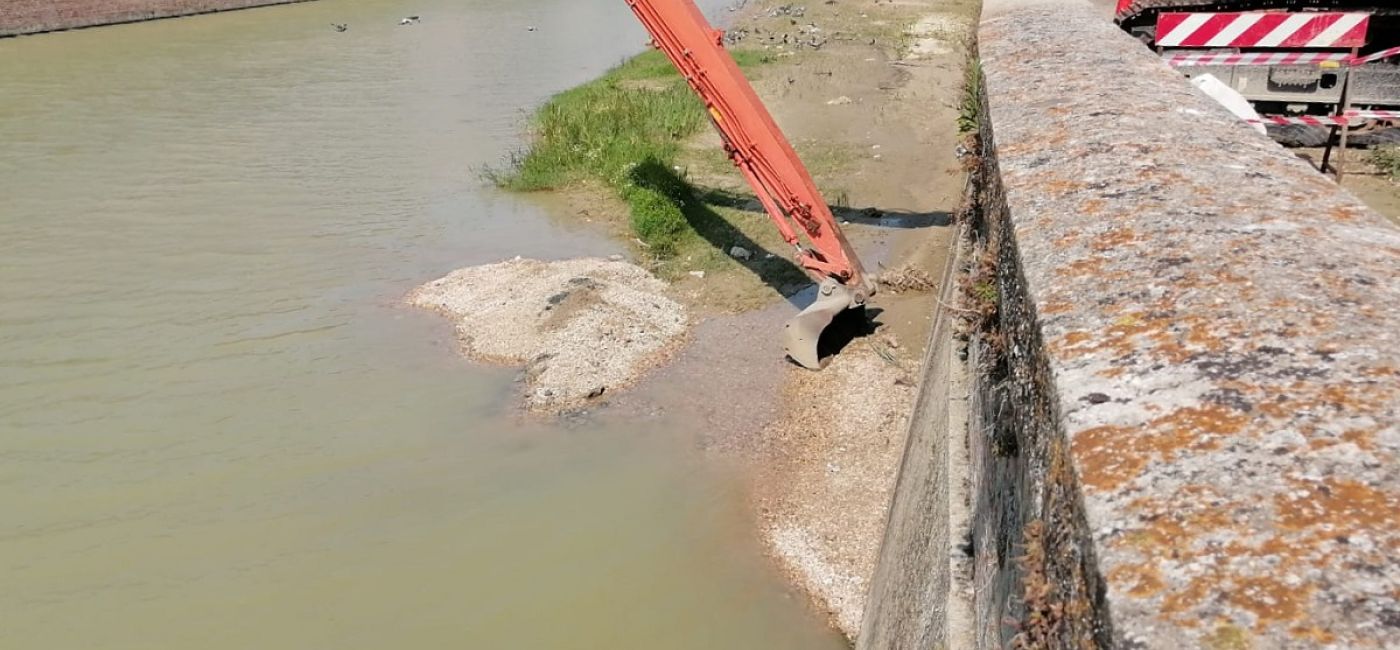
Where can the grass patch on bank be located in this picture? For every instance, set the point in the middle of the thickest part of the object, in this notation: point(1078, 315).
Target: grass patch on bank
point(626, 130)
point(1387, 160)
point(970, 105)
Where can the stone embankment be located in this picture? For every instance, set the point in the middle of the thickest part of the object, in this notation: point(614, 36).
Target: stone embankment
point(1185, 396)
point(36, 16)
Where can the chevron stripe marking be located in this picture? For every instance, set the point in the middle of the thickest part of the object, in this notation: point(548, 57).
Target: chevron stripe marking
point(1262, 29)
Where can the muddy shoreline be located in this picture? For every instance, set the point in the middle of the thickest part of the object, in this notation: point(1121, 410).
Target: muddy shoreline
point(824, 466)
point(868, 93)
point(23, 17)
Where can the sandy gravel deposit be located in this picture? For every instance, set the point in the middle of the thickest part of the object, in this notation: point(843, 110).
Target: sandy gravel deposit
point(831, 466)
point(580, 327)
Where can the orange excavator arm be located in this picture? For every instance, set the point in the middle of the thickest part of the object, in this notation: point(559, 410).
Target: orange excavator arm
point(758, 148)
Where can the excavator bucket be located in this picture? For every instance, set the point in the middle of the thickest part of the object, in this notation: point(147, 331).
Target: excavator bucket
point(804, 331)
point(755, 144)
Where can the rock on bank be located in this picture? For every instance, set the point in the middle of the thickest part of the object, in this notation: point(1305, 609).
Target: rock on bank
point(35, 16)
point(580, 327)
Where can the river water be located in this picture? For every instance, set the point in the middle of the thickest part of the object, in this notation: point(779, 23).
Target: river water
point(218, 427)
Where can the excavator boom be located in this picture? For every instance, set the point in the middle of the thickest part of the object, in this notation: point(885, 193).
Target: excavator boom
point(763, 155)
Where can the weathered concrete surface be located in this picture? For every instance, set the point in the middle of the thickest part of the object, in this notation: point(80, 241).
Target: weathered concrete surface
point(1190, 405)
point(916, 598)
point(35, 16)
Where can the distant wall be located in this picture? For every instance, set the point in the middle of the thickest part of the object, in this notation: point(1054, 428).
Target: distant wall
point(1184, 424)
point(35, 16)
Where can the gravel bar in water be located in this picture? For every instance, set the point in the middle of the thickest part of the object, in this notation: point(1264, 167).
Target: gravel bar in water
point(580, 327)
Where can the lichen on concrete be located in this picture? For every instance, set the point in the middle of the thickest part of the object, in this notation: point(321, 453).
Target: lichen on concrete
point(1219, 328)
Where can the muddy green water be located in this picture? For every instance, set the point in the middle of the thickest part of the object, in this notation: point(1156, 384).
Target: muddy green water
point(217, 427)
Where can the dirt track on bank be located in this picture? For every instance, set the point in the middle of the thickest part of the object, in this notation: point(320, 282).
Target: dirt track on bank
point(868, 93)
point(828, 463)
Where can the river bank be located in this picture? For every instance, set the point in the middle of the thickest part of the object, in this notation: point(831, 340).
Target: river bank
point(868, 93)
point(19, 17)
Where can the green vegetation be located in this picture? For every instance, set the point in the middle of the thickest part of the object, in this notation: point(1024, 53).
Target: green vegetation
point(970, 110)
point(626, 130)
point(1387, 160)
point(984, 292)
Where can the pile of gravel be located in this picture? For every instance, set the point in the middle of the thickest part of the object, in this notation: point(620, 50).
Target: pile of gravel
point(580, 327)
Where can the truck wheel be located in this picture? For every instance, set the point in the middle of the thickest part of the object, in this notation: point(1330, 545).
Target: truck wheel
point(1376, 138)
point(1298, 135)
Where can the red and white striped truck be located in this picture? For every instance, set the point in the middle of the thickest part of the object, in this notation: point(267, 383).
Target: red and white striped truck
point(1290, 58)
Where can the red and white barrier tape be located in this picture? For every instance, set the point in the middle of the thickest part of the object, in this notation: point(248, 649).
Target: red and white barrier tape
point(1374, 115)
point(1197, 59)
point(1191, 59)
point(1262, 29)
point(1371, 58)
point(1351, 117)
point(1309, 120)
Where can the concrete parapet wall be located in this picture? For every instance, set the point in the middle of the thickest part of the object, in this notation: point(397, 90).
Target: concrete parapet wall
point(1184, 423)
point(34, 16)
point(1191, 421)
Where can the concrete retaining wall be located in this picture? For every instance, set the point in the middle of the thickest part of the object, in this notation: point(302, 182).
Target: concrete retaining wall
point(35, 16)
point(914, 602)
point(1185, 420)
